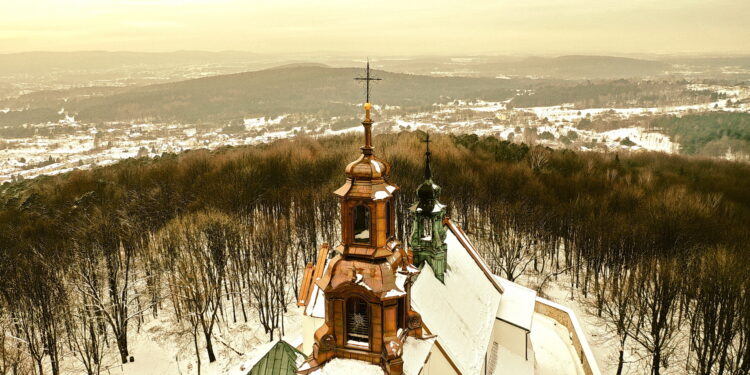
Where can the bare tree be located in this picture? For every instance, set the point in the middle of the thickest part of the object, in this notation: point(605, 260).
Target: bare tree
point(659, 289)
point(13, 360)
point(269, 270)
point(37, 310)
point(201, 242)
point(508, 245)
point(87, 336)
point(714, 321)
point(618, 308)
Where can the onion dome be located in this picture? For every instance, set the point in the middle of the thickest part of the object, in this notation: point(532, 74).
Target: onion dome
point(368, 167)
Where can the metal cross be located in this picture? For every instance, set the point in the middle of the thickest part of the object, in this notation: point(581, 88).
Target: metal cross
point(367, 80)
point(427, 168)
point(427, 141)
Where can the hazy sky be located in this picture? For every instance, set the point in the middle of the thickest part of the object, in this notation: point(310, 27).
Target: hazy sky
point(383, 27)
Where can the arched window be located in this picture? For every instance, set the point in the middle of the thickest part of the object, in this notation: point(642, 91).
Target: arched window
point(357, 321)
point(362, 224)
point(427, 228)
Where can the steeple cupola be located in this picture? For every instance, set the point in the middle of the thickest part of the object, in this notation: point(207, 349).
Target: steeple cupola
point(427, 239)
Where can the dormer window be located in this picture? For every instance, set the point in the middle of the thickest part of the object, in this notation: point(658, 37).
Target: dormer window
point(361, 224)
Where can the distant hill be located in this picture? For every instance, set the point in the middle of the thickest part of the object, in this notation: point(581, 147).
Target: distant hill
point(303, 89)
point(292, 88)
point(573, 66)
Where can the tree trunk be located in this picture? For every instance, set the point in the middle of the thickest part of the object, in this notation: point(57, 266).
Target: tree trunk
point(621, 359)
point(209, 348)
point(656, 362)
point(197, 352)
point(122, 346)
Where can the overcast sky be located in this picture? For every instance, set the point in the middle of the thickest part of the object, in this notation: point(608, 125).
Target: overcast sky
point(383, 27)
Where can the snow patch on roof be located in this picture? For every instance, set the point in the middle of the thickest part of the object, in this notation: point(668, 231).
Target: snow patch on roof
point(375, 165)
point(415, 354)
point(380, 194)
point(517, 304)
point(399, 290)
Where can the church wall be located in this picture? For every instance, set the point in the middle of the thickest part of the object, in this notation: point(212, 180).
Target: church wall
point(566, 317)
point(510, 349)
point(309, 326)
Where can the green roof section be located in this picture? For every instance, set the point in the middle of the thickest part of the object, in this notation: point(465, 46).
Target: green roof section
point(281, 359)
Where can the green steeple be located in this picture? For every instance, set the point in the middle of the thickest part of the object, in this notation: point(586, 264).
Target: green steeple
point(428, 232)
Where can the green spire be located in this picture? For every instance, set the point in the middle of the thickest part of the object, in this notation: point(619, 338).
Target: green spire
point(428, 232)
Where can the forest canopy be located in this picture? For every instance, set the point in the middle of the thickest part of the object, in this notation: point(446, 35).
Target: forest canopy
point(208, 221)
point(710, 134)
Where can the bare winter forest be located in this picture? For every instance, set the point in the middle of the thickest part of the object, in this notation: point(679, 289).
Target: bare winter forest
point(657, 243)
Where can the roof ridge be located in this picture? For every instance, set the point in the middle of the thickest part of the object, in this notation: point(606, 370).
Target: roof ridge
point(464, 240)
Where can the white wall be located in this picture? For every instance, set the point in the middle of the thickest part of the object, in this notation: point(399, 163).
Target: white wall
point(514, 351)
point(309, 326)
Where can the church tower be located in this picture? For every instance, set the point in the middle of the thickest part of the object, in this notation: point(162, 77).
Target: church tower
point(428, 232)
point(366, 286)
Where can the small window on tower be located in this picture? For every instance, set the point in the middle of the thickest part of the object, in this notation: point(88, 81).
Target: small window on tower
point(362, 224)
point(427, 229)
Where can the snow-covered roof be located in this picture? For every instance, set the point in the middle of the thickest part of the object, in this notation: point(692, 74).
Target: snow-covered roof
point(341, 366)
point(517, 304)
point(415, 352)
point(461, 311)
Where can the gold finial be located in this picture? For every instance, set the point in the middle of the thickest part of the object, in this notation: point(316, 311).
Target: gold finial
point(368, 107)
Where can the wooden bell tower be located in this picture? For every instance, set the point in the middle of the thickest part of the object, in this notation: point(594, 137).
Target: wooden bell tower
point(367, 307)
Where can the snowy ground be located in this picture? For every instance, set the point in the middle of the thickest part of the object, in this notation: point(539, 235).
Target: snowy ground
point(161, 347)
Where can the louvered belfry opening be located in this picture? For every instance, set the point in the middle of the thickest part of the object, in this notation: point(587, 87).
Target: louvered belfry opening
point(357, 321)
point(362, 224)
